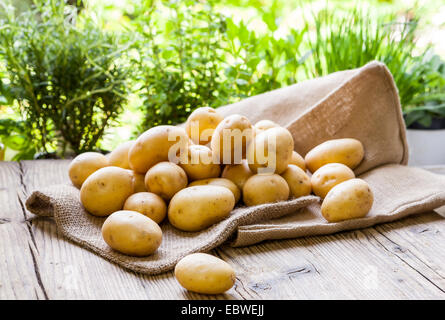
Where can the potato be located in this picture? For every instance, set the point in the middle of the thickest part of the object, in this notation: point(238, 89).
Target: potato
point(298, 160)
point(298, 181)
point(230, 139)
point(328, 176)
point(155, 145)
point(347, 151)
point(201, 124)
point(219, 182)
point(204, 273)
point(106, 190)
point(132, 233)
point(84, 165)
point(237, 173)
point(262, 159)
point(263, 125)
point(196, 208)
point(138, 182)
point(199, 163)
point(147, 203)
point(165, 179)
point(350, 199)
point(119, 156)
point(265, 188)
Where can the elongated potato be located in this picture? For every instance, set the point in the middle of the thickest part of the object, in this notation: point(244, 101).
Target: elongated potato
point(147, 203)
point(328, 176)
point(265, 188)
point(199, 163)
point(298, 160)
point(119, 156)
point(350, 199)
point(84, 165)
point(201, 124)
point(347, 151)
point(298, 181)
point(237, 173)
point(219, 182)
point(196, 208)
point(204, 273)
point(165, 179)
point(132, 233)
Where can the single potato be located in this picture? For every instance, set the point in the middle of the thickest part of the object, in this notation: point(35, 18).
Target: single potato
point(199, 163)
point(298, 181)
point(271, 151)
point(165, 179)
point(132, 233)
point(147, 203)
point(84, 165)
point(263, 125)
point(204, 273)
point(298, 160)
point(265, 188)
point(106, 190)
point(138, 182)
point(196, 208)
point(347, 151)
point(237, 173)
point(156, 145)
point(328, 176)
point(119, 156)
point(350, 199)
point(219, 182)
point(201, 124)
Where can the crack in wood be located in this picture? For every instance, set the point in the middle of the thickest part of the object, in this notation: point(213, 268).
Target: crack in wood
point(4, 220)
point(37, 272)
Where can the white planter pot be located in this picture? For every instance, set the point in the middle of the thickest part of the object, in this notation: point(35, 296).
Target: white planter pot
point(426, 147)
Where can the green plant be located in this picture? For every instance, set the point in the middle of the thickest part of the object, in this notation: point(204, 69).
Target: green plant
point(14, 134)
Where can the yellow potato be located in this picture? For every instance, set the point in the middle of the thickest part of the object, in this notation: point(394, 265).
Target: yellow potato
point(106, 190)
point(132, 233)
point(84, 165)
point(138, 182)
point(237, 173)
point(204, 273)
point(298, 181)
point(347, 151)
point(328, 176)
point(230, 139)
point(219, 182)
point(149, 204)
point(262, 159)
point(119, 156)
point(263, 125)
point(165, 179)
point(156, 145)
point(199, 163)
point(350, 199)
point(298, 160)
point(196, 208)
point(265, 188)
point(201, 124)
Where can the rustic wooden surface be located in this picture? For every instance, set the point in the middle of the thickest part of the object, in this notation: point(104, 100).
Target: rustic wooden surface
point(400, 260)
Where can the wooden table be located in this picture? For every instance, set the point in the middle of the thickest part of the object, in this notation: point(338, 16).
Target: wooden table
point(400, 260)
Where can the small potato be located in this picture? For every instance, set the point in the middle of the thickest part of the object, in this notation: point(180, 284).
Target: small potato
point(106, 190)
point(156, 145)
point(149, 204)
point(165, 179)
point(328, 176)
point(263, 125)
point(265, 188)
point(262, 159)
point(237, 173)
point(119, 156)
point(138, 182)
point(350, 199)
point(298, 160)
point(298, 181)
point(132, 233)
point(219, 182)
point(347, 151)
point(204, 273)
point(201, 124)
point(199, 163)
point(196, 208)
point(84, 165)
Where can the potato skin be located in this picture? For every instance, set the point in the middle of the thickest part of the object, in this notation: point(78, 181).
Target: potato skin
point(165, 179)
point(204, 273)
point(119, 156)
point(131, 233)
point(265, 188)
point(350, 199)
point(196, 208)
point(347, 151)
point(219, 182)
point(207, 119)
point(84, 165)
point(237, 173)
point(138, 182)
point(153, 146)
point(298, 181)
point(263, 125)
point(147, 203)
point(204, 168)
point(328, 176)
point(298, 160)
point(106, 190)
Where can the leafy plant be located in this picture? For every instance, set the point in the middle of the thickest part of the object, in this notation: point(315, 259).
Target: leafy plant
point(14, 134)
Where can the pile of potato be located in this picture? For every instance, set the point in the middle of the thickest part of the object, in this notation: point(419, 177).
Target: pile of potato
point(196, 178)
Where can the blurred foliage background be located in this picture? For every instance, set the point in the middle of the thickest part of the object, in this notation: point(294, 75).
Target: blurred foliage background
point(88, 75)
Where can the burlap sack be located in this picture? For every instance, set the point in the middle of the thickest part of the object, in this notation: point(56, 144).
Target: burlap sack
point(361, 103)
